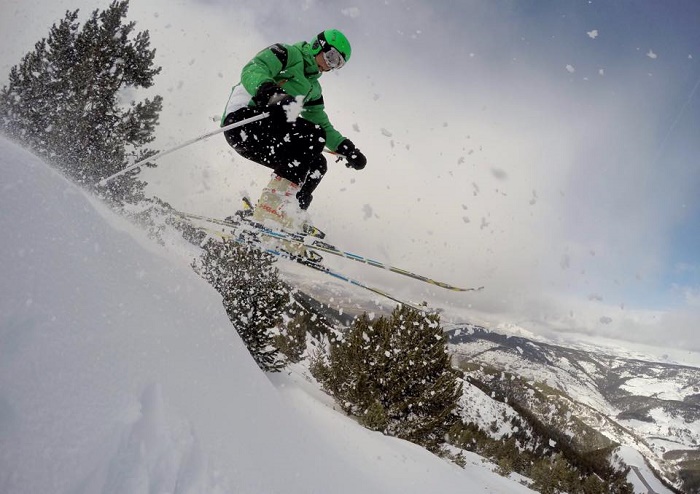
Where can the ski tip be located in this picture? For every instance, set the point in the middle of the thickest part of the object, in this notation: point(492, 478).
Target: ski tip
point(457, 288)
point(478, 289)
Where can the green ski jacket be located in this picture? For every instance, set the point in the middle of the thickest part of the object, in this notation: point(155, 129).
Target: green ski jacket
point(294, 69)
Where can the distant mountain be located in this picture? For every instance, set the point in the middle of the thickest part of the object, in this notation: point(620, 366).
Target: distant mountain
point(594, 399)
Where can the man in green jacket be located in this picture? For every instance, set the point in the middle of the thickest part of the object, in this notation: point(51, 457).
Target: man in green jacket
point(283, 80)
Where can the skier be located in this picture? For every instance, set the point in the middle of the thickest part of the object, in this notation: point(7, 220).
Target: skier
point(283, 80)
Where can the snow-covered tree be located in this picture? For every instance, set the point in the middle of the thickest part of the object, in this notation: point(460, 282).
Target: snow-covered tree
point(72, 99)
point(395, 375)
point(292, 338)
point(255, 297)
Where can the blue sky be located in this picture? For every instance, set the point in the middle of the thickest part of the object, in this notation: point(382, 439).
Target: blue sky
point(545, 149)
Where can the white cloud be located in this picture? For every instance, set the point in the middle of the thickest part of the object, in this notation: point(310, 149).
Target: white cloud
point(684, 267)
point(689, 294)
point(455, 201)
point(692, 296)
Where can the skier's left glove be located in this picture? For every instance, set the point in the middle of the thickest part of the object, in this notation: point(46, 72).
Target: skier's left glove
point(353, 156)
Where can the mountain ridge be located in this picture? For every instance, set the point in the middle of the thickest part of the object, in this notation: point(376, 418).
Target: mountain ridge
point(628, 400)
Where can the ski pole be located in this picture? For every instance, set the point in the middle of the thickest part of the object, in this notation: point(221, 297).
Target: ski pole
point(184, 144)
point(338, 156)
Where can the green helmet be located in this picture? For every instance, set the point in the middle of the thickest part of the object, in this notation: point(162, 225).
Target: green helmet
point(331, 38)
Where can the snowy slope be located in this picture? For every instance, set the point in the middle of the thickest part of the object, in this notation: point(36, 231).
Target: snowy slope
point(120, 373)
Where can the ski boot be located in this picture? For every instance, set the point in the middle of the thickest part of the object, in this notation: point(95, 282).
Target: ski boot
point(278, 209)
point(246, 212)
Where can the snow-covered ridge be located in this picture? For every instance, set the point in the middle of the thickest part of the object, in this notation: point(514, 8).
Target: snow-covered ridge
point(648, 406)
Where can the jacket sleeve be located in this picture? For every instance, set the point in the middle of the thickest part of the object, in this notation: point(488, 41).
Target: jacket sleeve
point(264, 67)
point(314, 111)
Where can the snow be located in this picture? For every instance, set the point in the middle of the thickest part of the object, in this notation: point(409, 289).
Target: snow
point(120, 373)
point(662, 389)
point(641, 477)
point(486, 412)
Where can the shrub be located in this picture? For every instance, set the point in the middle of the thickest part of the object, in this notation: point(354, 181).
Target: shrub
point(394, 374)
point(254, 296)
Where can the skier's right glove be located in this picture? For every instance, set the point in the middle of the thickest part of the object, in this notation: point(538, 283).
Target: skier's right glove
point(353, 156)
point(270, 94)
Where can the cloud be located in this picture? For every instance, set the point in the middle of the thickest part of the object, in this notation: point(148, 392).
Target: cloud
point(689, 295)
point(487, 163)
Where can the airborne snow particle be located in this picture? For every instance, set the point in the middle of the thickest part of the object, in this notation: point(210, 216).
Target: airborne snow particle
point(570, 69)
point(652, 55)
point(592, 34)
point(499, 174)
point(352, 12)
point(565, 262)
point(533, 201)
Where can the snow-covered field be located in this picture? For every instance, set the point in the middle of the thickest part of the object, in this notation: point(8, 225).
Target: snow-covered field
point(120, 373)
point(658, 388)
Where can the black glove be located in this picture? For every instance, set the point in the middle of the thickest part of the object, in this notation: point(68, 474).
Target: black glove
point(270, 94)
point(353, 156)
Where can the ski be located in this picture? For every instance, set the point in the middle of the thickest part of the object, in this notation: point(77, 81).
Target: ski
point(315, 266)
point(313, 242)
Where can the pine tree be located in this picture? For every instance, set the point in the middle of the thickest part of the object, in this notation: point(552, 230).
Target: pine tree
point(292, 338)
point(68, 99)
point(395, 375)
point(254, 296)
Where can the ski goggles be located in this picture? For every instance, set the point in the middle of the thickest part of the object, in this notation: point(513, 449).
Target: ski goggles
point(333, 58)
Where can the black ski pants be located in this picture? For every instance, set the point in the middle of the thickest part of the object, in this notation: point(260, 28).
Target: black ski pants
point(294, 150)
